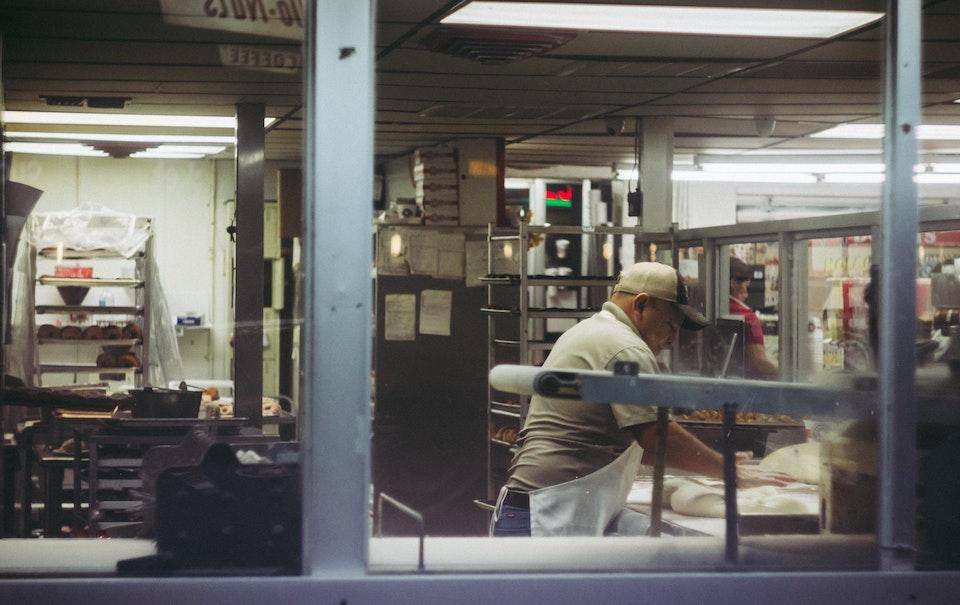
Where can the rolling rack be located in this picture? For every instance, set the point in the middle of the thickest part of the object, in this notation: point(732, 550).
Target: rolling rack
point(509, 316)
point(139, 312)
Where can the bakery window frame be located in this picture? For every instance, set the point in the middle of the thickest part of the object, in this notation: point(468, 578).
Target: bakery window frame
point(339, 53)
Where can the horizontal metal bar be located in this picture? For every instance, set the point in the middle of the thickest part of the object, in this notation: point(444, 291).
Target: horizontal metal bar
point(931, 218)
point(685, 391)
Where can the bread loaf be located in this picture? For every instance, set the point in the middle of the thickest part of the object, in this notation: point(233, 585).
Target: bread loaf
point(128, 360)
point(71, 333)
point(93, 333)
point(112, 332)
point(106, 360)
point(132, 331)
point(48, 331)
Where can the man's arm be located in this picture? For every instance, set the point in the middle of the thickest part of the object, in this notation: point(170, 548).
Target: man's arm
point(686, 452)
point(758, 366)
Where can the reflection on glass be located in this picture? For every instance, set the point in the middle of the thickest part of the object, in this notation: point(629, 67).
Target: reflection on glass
point(836, 316)
point(753, 294)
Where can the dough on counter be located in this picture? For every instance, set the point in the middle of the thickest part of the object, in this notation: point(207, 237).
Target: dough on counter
point(801, 461)
point(697, 500)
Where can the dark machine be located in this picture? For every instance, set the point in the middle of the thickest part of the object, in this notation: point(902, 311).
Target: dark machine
point(224, 517)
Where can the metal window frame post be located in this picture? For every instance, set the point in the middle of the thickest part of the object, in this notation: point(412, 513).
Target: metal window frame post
point(248, 307)
point(338, 189)
point(896, 531)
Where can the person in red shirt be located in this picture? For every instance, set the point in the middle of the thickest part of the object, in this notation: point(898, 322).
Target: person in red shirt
point(756, 361)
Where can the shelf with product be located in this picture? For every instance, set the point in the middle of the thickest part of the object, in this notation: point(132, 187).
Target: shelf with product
point(88, 314)
point(533, 295)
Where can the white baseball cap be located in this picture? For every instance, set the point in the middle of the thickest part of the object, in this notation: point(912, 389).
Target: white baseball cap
point(664, 282)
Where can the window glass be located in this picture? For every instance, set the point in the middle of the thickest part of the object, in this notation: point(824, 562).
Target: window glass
point(833, 325)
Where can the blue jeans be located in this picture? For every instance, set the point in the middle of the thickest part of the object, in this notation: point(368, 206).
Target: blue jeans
point(512, 521)
point(515, 521)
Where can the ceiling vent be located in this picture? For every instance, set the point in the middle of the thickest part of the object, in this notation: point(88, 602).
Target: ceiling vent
point(492, 45)
point(92, 102)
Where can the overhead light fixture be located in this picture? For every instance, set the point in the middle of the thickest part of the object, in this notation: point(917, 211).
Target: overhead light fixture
point(860, 179)
point(924, 178)
point(516, 183)
point(945, 167)
point(819, 152)
point(156, 155)
point(139, 138)
point(190, 149)
point(722, 21)
point(784, 168)
point(54, 149)
point(932, 178)
point(121, 119)
point(927, 132)
point(717, 177)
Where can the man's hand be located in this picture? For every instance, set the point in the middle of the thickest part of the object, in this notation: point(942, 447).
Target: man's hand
point(751, 476)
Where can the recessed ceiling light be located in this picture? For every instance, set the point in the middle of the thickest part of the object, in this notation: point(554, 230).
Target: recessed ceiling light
point(121, 119)
point(760, 22)
point(927, 132)
point(53, 149)
point(140, 138)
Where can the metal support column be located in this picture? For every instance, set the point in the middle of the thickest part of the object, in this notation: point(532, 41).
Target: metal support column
point(248, 307)
point(338, 185)
point(711, 295)
point(787, 311)
point(896, 530)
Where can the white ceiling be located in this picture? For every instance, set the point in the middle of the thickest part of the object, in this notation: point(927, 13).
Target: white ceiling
point(549, 108)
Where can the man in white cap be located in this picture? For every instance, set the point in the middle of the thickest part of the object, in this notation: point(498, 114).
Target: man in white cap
point(576, 461)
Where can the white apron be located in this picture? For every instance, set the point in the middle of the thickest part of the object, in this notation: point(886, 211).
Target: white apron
point(584, 506)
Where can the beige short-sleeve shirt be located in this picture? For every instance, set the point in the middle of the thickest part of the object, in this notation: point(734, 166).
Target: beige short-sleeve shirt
point(564, 439)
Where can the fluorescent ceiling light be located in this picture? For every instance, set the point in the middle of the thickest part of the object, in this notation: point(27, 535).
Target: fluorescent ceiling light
point(516, 183)
point(136, 138)
point(927, 132)
point(931, 178)
point(761, 22)
point(53, 149)
point(192, 149)
point(780, 167)
point(853, 178)
point(121, 119)
point(752, 152)
point(926, 178)
point(716, 177)
point(945, 167)
point(166, 156)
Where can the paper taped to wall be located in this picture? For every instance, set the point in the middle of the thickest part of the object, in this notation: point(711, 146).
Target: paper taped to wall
point(435, 312)
point(399, 317)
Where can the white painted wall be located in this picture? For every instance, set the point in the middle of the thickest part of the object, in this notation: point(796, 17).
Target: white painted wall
point(190, 202)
